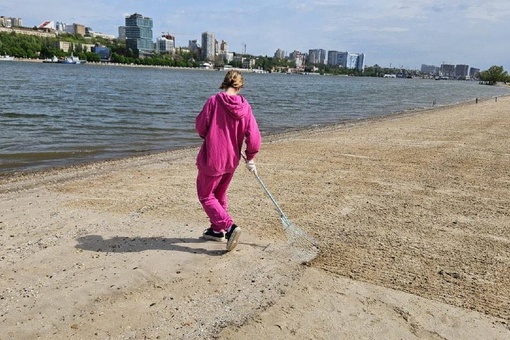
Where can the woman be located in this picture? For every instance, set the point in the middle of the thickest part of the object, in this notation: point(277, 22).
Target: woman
point(225, 122)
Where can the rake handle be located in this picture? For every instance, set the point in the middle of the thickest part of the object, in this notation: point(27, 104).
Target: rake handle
point(282, 214)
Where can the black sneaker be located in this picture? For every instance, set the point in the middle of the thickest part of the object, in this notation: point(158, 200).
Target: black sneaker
point(210, 234)
point(232, 237)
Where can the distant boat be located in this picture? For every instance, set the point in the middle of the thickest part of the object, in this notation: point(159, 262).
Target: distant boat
point(390, 75)
point(70, 60)
point(51, 60)
point(6, 58)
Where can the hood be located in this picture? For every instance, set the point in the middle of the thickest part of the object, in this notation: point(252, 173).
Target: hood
point(237, 106)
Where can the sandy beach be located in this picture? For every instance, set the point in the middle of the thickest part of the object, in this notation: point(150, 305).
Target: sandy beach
point(411, 213)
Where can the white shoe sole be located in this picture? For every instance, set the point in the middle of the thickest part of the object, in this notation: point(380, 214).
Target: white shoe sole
point(232, 241)
point(212, 238)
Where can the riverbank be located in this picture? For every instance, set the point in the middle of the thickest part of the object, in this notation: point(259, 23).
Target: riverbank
point(411, 212)
point(94, 63)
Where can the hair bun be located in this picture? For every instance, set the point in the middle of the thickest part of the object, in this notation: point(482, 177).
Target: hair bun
point(234, 79)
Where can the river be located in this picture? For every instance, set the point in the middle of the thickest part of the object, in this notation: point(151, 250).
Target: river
point(58, 115)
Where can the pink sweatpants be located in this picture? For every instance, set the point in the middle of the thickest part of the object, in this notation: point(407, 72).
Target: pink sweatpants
point(212, 194)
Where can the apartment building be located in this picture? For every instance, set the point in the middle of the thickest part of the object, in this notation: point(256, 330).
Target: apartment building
point(347, 60)
point(10, 22)
point(208, 46)
point(317, 56)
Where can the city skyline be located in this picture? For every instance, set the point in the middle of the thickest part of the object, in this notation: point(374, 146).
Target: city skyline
point(395, 33)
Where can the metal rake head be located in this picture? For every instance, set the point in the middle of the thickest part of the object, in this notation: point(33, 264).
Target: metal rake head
point(303, 245)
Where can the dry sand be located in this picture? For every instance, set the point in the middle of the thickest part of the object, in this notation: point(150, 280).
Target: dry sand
point(412, 213)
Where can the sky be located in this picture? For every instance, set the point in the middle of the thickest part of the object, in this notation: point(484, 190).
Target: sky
point(391, 33)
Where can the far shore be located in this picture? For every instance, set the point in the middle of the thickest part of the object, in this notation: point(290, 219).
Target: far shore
point(212, 69)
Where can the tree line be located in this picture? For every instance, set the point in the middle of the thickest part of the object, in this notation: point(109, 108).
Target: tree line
point(36, 47)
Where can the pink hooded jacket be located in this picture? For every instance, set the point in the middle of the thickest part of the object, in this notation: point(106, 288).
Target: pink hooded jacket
point(224, 123)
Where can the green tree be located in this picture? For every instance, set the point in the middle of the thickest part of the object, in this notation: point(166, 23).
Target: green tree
point(493, 75)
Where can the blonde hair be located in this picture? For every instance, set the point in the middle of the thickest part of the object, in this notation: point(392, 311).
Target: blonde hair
point(233, 79)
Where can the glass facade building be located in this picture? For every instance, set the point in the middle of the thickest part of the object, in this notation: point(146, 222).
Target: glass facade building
point(139, 34)
point(104, 52)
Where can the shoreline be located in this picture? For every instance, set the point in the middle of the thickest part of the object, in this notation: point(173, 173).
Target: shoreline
point(93, 63)
point(410, 210)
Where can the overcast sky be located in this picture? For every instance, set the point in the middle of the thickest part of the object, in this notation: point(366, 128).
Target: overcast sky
point(397, 33)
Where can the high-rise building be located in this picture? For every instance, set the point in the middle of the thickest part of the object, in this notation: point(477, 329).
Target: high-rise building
point(298, 57)
point(139, 34)
point(461, 71)
point(223, 52)
point(122, 32)
point(347, 60)
point(279, 54)
point(208, 46)
point(223, 47)
point(317, 56)
point(360, 62)
point(333, 58)
point(17, 22)
point(429, 69)
point(342, 59)
point(447, 70)
point(10, 22)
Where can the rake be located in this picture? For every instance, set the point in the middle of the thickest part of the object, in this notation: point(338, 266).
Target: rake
point(298, 239)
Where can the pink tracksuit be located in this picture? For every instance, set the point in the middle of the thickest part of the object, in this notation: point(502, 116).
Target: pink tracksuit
point(225, 122)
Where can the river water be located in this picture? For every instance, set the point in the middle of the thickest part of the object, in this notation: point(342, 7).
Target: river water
point(57, 115)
